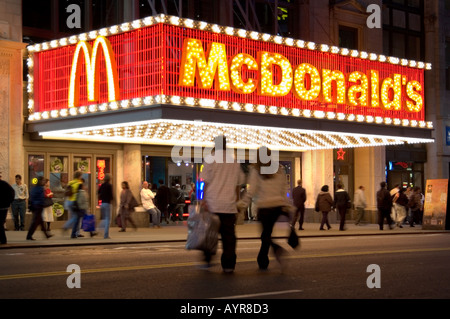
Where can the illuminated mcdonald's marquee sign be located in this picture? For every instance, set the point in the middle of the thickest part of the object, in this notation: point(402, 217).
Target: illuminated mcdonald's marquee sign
point(184, 62)
point(306, 81)
point(91, 59)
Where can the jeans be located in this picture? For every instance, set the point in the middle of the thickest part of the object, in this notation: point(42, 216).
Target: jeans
point(74, 220)
point(19, 208)
point(156, 216)
point(105, 211)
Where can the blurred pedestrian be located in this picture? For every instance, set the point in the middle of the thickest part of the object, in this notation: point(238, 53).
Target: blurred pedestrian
point(47, 213)
point(270, 193)
point(415, 204)
point(105, 194)
point(126, 207)
point(342, 202)
point(223, 176)
point(75, 214)
point(181, 203)
point(299, 197)
point(400, 202)
point(360, 204)
point(19, 205)
point(83, 205)
point(325, 204)
point(174, 194)
point(37, 206)
point(162, 200)
point(384, 205)
point(147, 197)
point(6, 198)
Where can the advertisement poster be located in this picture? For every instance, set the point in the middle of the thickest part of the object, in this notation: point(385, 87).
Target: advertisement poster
point(436, 204)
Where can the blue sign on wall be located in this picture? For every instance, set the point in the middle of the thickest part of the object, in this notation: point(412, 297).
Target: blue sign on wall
point(447, 135)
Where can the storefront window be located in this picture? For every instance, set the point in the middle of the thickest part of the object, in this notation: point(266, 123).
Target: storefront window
point(58, 180)
point(102, 167)
point(83, 164)
point(35, 169)
point(343, 169)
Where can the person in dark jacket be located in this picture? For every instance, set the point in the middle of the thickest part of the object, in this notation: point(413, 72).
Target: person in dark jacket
point(415, 204)
point(6, 198)
point(341, 202)
point(325, 205)
point(384, 205)
point(37, 206)
point(299, 197)
point(105, 194)
point(162, 200)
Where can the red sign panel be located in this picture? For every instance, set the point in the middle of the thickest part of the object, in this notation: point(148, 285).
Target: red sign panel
point(174, 60)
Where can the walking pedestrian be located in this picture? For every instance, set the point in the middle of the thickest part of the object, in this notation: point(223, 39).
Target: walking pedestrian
point(360, 204)
point(342, 202)
point(415, 204)
point(83, 205)
point(299, 197)
point(400, 202)
point(162, 200)
point(384, 206)
point(325, 205)
point(126, 206)
point(47, 213)
point(270, 193)
point(75, 214)
point(147, 197)
point(6, 199)
point(37, 205)
point(223, 176)
point(19, 205)
point(105, 194)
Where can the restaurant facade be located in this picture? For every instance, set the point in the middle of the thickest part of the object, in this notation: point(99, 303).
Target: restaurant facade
point(143, 100)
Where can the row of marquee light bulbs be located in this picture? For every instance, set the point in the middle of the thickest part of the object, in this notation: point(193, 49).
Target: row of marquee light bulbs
point(201, 25)
point(225, 105)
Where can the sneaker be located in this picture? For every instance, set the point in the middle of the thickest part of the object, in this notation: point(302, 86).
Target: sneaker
point(228, 270)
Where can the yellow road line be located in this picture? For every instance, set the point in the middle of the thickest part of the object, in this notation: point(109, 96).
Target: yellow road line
point(190, 264)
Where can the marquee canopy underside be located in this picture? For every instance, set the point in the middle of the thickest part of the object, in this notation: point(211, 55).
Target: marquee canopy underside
point(165, 124)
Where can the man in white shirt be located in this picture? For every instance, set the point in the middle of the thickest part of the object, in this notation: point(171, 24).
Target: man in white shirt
point(147, 202)
point(19, 205)
point(223, 176)
point(360, 204)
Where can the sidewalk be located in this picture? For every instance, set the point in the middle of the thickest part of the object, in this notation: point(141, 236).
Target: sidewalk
point(177, 232)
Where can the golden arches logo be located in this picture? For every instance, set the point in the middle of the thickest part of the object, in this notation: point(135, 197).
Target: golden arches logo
point(91, 57)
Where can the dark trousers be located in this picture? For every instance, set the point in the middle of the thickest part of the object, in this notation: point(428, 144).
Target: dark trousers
point(268, 218)
point(325, 220)
point(3, 213)
point(300, 215)
point(382, 214)
point(37, 220)
point(342, 211)
point(228, 236)
point(415, 217)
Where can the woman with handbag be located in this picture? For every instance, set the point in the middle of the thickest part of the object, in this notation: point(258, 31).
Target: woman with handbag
point(47, 213)
point(270, 194)
point(126, 206)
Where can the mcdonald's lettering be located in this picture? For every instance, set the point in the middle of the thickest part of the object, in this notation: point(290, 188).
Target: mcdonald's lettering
point(357, 89)
point(91, 58)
